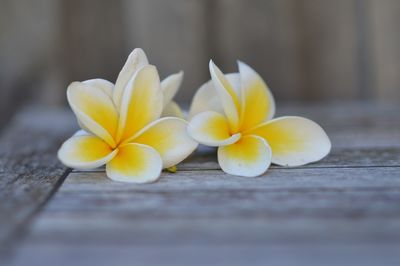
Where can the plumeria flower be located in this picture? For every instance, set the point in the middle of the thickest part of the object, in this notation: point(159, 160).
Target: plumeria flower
point(122, 127)
point(234, 113)
point(136, 60)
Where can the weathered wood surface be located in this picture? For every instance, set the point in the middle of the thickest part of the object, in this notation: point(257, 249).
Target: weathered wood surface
point(29, 169)
point(343, 210)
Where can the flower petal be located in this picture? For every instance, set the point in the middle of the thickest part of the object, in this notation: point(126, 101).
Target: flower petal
point(170, 86)
point(81, 132)
point(172, 109)
point(141, 104)
point(135, 163)
point(211, 128)
point(206, 97)
point(258, 104)
point(250, 156)
point(101, 84)
point(227, 95)
point(136, 60)
point(168, 136)
point(94, 110)
point(85, 152)
point(294, 140)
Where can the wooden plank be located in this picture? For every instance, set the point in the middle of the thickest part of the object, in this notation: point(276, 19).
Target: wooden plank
point(343, 206)
point(29, 169)
point(262, 34)
point(205, 158)
point(328, 49)
point(286, 208)
point(215, 179)
point(91, 45)
point(173, 34)
point(222, 255)
point(384, 17)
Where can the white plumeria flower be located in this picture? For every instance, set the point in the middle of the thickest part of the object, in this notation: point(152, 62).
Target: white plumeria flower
point(122, 127)
point(234, 113)
point(169, 86)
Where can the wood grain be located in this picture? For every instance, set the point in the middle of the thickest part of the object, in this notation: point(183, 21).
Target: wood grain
point(342, 210)
point(29, 169)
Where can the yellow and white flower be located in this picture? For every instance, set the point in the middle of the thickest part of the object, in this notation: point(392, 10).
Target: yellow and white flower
point(137, 59)
point(122, 127)
point(234, 113)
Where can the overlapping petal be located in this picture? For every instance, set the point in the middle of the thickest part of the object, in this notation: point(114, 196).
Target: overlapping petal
point(136, 60)
point(102, 84)
point(85, 152)
point(257, 103)
point(170, 86)
point(94, 110)
point(294, 140)
point(206, 97)
point(141, 103)
point(229, 99)
point(212, 129)
point(168, 136)
point(135, 163)
point(250, 156)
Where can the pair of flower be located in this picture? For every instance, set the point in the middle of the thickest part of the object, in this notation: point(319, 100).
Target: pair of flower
point(122, 128)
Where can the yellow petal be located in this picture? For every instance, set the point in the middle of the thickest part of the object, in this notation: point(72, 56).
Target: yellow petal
point(168, 136)
point(135, 163)
point(211, 128)
point(85, 152)
point(258, 104)
point(136, 60)
point(294, 140)
point(170, 86)
point(101, 84)
point(227, 96)
point(94, 110)
point(141, 104)
point(206, 97)
point(250, 156)
point(172, 109)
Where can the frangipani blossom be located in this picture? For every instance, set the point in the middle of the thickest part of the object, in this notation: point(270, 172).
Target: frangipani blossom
point(234, 113)
point(122, 127)
point(136, 60)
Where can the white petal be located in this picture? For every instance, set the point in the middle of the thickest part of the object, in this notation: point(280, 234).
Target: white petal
point(206, 97)
point(81, 132)
point(170, 86)
point(250, 156)
point(169, 137)
point(94, 110)
point(136, 60)
point(102, 84)
point(227, 96)
point(294, 140)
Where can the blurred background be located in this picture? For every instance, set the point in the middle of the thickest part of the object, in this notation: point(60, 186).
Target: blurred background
point(307, 50)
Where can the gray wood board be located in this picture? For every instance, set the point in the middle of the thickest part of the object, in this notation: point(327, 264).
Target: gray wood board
point(343, 210)
point(29, 169)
